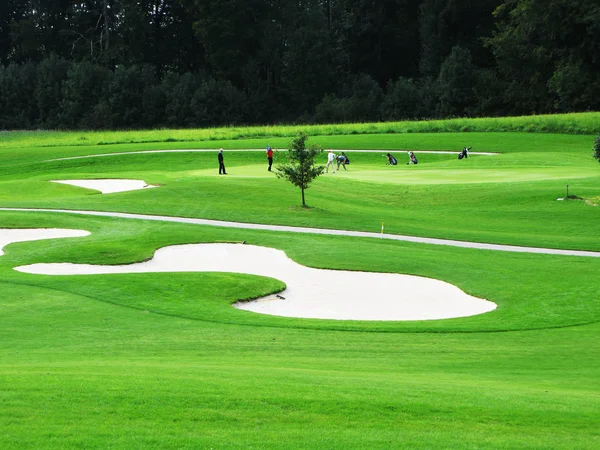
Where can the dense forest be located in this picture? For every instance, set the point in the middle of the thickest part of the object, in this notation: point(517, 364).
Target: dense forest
point(193, 63)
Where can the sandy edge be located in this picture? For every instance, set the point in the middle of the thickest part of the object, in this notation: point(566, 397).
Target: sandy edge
point(108, 185)
point(310, 293)
point(12, 235)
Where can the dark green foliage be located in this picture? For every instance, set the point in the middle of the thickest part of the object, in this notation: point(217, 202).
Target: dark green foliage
point(125, 95)
point(445, 24)
point(489, 90)
point(403, 100)
point(575, 86)
point(85, 86)
point(597, 148)
point(548, 50)
point(17, 99)
point(180, 91)
point(306, 73)
point(455, 84)
point(379, 38)
point(300, 169)
point(185, 63)
point(51, 74)
point(358, 102)
point(217, 102)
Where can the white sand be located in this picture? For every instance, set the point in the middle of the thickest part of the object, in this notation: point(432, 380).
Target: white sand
point(108, 186)
point(10, 235)
point(310, 293)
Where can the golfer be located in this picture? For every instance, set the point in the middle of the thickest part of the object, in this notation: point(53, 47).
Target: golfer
point(330, 161)
point(221, 164)
point(343, 160)
point(269, 157)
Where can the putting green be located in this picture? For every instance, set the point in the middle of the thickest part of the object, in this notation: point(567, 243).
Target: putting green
point(419, 175)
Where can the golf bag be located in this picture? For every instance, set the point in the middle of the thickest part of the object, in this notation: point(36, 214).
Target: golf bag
point(464, 153)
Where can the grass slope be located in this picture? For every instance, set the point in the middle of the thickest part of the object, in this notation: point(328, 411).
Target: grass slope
point(159, 361)
point(164, 361)
point(508, 198)
point(574, 123)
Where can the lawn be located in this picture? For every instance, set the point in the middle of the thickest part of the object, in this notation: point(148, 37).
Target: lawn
point(510, 198)
point(164, 361)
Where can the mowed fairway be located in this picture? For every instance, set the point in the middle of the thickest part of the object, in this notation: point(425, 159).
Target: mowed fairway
point(165, 361)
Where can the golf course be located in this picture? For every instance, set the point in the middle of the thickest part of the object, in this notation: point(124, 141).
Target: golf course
point(130, 330)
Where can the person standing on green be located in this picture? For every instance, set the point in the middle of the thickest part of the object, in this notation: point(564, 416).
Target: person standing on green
point(269, 157)
point(221, 164)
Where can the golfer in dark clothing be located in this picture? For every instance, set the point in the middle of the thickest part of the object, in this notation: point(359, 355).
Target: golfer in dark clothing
point(221, 165)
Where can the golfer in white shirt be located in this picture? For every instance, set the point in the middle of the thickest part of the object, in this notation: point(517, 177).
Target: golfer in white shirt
point(330, 161)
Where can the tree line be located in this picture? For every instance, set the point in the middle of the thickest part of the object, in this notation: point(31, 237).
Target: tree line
point(194, 63)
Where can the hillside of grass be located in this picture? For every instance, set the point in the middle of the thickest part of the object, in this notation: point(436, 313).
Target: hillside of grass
point(575, 123)
point(504, 199)
point(163, 361)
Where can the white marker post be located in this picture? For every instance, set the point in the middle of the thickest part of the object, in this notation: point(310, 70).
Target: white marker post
point(381, 230)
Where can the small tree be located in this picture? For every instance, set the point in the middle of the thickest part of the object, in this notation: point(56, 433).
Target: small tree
point(300, 169)
point(597, 148)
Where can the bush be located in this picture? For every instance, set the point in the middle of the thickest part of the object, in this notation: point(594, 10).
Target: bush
point(597, 148)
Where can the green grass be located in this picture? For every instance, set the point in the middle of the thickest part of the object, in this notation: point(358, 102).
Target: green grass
point(161, 361)
point(482, 142)
point(507, 199)
point(580, 123)
point(164, 361)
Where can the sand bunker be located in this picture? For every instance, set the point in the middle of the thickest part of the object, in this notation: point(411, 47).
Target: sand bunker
point(108, 186)
point(10, 235)
point(310, 293)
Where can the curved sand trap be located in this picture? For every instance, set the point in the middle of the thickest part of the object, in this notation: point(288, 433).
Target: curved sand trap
point(310, 293)
point(10, 235)
point(108, 186)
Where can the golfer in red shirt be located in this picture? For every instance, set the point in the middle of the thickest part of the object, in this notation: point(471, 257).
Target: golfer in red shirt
point(270, 156)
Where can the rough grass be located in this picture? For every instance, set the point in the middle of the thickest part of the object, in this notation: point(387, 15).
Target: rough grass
point(575, 123)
